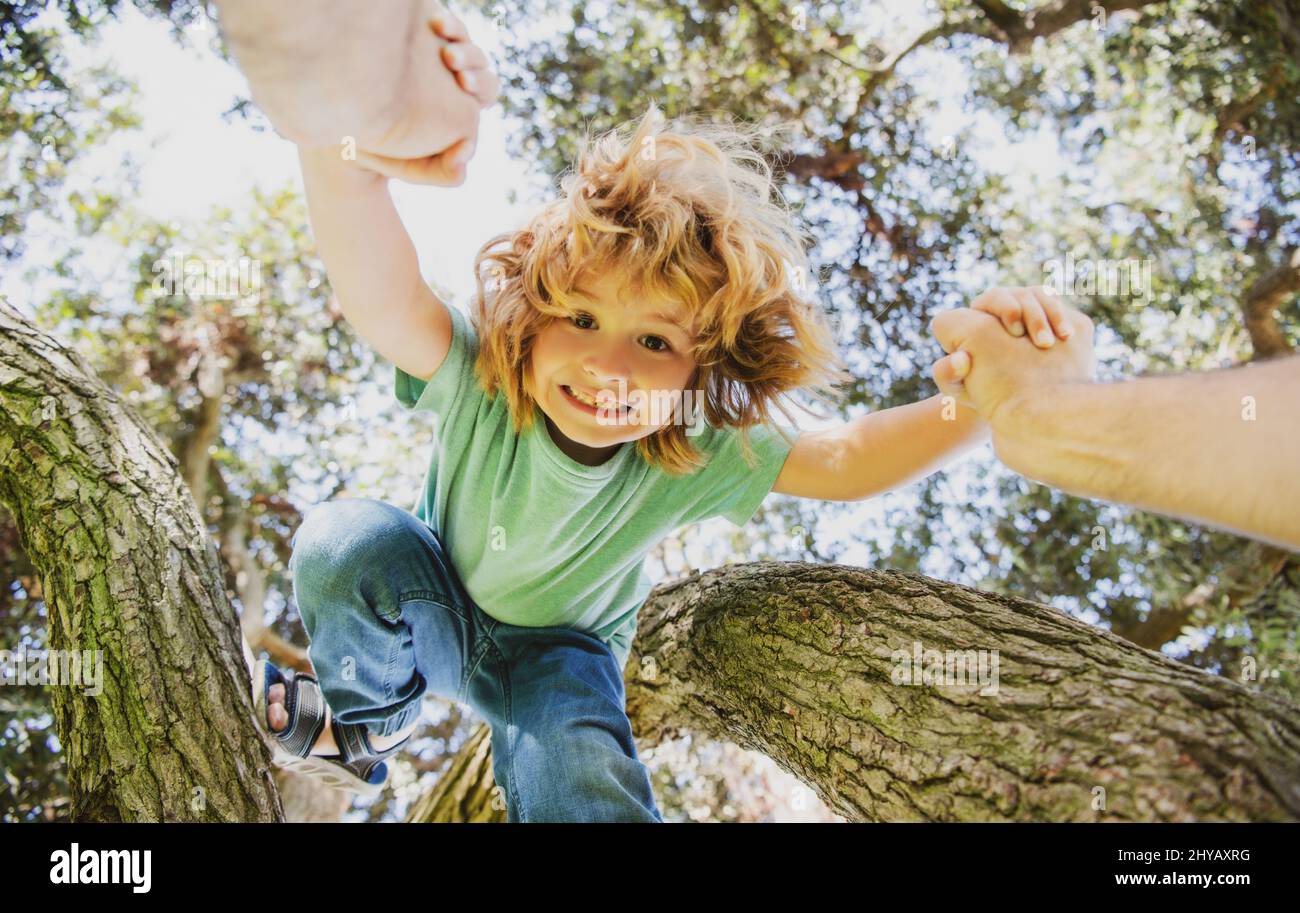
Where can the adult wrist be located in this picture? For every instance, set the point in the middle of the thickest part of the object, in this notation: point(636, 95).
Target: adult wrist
point(1023, 426)
point(1057, 435)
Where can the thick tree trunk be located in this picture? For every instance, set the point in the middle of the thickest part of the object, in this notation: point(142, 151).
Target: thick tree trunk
point(127, 569)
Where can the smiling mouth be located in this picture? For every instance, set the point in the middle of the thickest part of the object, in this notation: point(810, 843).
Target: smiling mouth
point(591, 403)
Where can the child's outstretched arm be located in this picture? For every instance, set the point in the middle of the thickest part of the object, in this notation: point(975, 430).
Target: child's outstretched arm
point(371, 263)
point(881, 451)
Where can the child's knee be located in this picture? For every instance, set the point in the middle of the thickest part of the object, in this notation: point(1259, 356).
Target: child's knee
point(342, 538)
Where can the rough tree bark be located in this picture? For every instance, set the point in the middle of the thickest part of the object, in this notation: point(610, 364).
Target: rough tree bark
point(466, 792)
point(127, 568)
point(798, 661)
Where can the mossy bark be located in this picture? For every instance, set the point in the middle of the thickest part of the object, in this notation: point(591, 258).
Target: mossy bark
point(127, 569)
point(803, 662)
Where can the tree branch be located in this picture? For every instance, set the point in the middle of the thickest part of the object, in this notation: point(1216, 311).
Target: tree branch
point(1018, 30)
point(798, 661)
point(1262, 302)
point(1241, 581)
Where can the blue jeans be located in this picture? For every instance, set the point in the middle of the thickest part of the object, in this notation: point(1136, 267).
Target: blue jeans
point(388, 619)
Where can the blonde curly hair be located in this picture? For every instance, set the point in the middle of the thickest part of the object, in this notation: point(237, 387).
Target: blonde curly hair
point(687, 210)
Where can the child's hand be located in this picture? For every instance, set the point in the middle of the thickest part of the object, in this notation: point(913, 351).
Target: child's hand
point(470, 66)
point(1033, 308)
point(985, 368)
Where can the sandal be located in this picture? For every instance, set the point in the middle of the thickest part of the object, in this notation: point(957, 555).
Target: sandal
point(358, 769)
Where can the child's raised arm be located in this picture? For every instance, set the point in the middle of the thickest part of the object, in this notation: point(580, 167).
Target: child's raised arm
point(372, 264)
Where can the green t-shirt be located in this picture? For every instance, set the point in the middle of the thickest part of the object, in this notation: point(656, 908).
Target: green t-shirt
point(539, 539)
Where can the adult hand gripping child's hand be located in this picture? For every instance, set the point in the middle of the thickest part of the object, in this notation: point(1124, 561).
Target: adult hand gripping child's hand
point(471, 68)
point(985, 367)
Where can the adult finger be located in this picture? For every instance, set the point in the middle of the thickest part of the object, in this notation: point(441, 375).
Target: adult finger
point(1003, 306)
point(482, 84)
point(1054, 308)
point(1036, 325)
point(464, 56)
point(487, 87)
point(1076, 321)
point(447, 24)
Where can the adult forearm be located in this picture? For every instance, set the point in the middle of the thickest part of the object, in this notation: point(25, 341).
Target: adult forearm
point(322, 69)
point(1220, 448)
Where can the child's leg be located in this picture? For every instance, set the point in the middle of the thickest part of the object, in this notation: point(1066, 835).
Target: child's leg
point(372, 583)
point(562, 746)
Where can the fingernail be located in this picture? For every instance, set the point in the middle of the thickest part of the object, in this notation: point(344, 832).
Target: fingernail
point(961, 363)
point(1044, 338)
point(1065, 332)
point(1017, 329)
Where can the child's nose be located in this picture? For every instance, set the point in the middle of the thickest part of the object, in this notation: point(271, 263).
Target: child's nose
point(607, 368)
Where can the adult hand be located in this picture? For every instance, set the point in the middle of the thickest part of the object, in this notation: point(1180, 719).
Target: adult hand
point(989, 369)
point(398, 79)
point(434, 132)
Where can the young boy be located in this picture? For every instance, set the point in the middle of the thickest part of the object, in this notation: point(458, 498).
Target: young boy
point(616, 382)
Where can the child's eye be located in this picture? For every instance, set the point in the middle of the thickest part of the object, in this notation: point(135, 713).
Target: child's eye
point(665, 347)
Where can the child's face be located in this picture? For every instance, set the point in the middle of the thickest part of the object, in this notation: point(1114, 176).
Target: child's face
point(613, 341)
